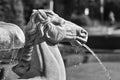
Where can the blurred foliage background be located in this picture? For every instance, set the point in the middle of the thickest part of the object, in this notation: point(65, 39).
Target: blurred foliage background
point(19, 11)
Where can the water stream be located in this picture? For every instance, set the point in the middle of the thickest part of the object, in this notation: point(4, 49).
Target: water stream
point(100, 62)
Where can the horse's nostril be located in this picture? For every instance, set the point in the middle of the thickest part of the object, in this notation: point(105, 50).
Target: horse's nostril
point(84, 32)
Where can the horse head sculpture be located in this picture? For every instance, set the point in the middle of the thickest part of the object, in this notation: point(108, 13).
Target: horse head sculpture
point(56, 29)
point(44, 30)
point(41, 58)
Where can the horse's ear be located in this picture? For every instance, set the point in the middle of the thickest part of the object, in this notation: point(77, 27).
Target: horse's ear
point(38, 22)
point(34, 16)
point(31, 26)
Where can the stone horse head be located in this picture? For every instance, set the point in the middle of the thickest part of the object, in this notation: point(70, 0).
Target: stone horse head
point(56, 29)
point(40, 54)
point(45, 30)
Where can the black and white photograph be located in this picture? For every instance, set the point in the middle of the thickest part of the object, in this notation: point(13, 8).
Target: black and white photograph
point(59, 39)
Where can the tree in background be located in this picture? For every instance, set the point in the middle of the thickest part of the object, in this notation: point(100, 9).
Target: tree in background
point(112, 6)
point(29, 5)
point(12, 11)
point(19, 11)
